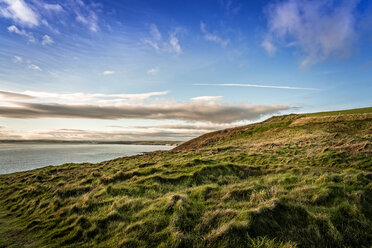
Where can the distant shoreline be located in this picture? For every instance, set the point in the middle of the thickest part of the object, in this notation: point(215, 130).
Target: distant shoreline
point(101, 142)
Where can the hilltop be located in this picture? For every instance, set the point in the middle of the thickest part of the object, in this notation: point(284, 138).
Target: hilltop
point(291, 181)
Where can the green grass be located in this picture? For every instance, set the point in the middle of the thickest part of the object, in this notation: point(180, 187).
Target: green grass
point(342, 112)
point(285, 182)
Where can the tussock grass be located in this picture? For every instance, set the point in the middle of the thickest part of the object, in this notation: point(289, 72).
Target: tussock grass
point(290, 181)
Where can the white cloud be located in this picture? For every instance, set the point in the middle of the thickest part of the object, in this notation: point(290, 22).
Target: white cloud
point(213, 37)
point(189, 126)
point(33, 12)
point(29, 36)
point(17, 59)
point(153, 71)
point(53, 7)
point(318, 28)
point(154, 31)
point(204, 109)
point(181, 131)
point(90, 19)
point(19, 12)
point(128, 134)
point(47, 40)
point(206, 98)
point(80, 97)
point(174, 43)
point(152, 44)
point(257, 86)
point(30, 65)
point(161, 45)
point(37, 14)
point(185, 111)
point(230, 6)
point(6, 95)
point(155, 41)
point(108, 72)
point(269, 47)
point(34, 67)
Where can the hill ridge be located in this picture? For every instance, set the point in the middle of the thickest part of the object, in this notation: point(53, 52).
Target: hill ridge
point(269, 184)
point(295, 119)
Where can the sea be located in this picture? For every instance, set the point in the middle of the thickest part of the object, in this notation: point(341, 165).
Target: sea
point(15, 157)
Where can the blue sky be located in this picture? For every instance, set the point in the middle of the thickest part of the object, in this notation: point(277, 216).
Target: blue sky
point(130, 70)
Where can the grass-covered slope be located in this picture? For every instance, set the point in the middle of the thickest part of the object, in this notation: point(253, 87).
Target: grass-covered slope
point(296, 180)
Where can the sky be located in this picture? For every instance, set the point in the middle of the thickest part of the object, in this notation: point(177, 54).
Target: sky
point(173, 70)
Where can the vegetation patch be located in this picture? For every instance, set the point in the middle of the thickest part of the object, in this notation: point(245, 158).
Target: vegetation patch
point(290, 181)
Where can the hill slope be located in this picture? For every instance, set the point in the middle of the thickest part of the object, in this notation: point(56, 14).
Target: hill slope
point(295, 180)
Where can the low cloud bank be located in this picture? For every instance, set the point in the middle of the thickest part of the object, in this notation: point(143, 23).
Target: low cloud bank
point(79, 134)
point(187, 111)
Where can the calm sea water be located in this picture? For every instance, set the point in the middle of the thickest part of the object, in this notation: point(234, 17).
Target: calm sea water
point(22, 157)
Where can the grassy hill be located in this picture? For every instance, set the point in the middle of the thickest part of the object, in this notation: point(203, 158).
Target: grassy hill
point(290, 181)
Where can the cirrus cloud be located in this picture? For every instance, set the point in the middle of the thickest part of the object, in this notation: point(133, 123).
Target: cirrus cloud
point(53, 7)
point(36, 13)
point(22, 32)
point(161, 45)
point(213, 37)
